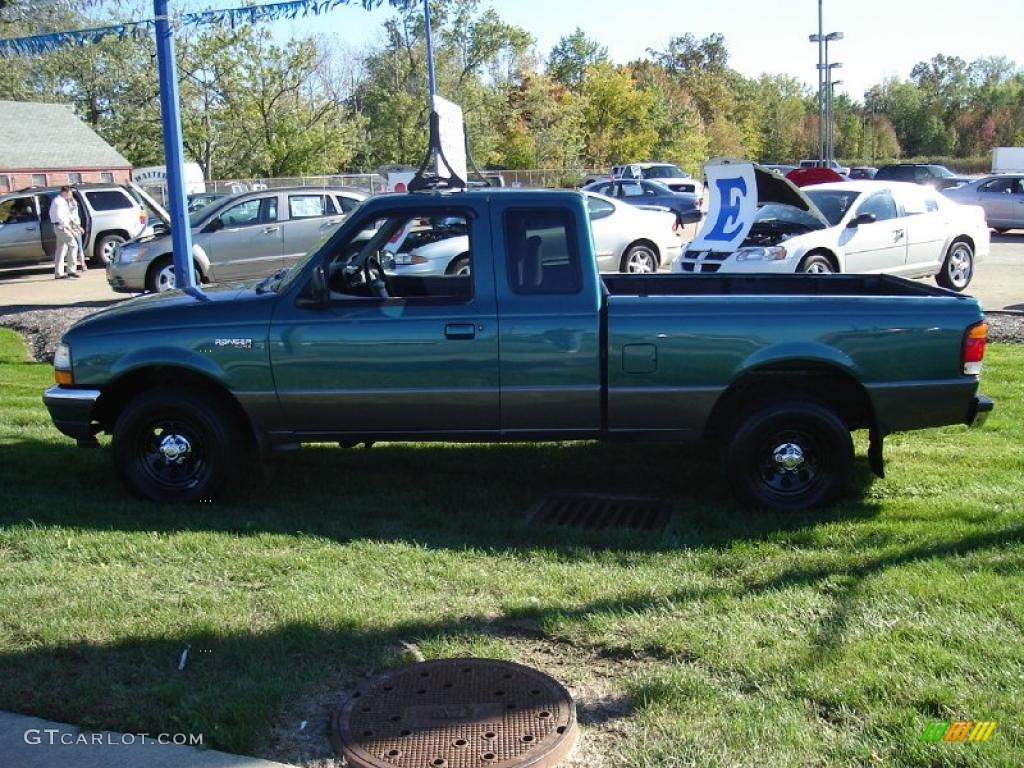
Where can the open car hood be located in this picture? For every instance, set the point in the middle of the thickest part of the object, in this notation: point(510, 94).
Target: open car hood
point(736, 189)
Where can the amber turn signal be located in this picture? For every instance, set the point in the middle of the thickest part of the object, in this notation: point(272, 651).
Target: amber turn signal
point(64, 378)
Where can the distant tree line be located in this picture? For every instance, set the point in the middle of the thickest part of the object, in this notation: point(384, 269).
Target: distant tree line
point(256, 106)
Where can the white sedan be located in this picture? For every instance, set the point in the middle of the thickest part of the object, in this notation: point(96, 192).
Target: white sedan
point(852, 226)
point(627, 238)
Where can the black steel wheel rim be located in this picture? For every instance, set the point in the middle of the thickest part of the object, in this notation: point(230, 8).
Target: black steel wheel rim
point(154, 449)
point(789, 482)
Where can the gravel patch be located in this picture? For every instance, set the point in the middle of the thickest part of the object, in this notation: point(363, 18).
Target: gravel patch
point(42, 328)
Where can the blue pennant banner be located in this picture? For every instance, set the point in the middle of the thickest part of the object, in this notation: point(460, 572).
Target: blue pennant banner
point(233, 17)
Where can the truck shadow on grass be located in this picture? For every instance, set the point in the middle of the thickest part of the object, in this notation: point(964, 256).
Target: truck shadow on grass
point(433, 495)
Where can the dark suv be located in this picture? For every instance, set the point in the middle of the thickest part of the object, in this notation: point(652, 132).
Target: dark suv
point(935, 176)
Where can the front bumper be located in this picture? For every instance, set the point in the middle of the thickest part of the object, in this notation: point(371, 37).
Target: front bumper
point(981, 407)
point(72, 410)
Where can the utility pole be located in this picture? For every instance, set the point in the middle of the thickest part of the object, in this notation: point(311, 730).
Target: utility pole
point(821, 87)
point(170, 116)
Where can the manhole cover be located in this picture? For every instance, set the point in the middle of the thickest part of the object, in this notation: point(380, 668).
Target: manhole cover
point(457, 713)
point(595, 512)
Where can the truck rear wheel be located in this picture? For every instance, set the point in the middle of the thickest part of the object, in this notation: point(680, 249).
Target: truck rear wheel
point(103, 252)
point(174, 444)
point(789, 456)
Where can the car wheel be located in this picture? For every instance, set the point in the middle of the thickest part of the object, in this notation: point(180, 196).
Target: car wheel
point(174, 444)
point(958, 267)
point(160, 277)
point(459, 266)
point(816, 264)
point(639, 259)
point(103, 251)
point(789, 456)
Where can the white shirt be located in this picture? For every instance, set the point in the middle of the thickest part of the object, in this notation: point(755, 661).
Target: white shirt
point(60, 212)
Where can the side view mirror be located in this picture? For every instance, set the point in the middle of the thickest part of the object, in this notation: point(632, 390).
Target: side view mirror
point(317, 292)
point(215, 225)
point(862, 218)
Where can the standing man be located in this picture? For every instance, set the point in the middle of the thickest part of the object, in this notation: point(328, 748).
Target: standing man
point(63, 228)
point(76, 225)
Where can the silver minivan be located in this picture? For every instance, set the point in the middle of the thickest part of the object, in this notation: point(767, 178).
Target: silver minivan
point(248, 235)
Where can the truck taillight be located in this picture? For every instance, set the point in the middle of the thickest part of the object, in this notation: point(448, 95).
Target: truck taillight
point(974, 348)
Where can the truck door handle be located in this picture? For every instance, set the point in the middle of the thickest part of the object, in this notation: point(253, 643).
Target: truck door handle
point(270, 230)
point(460, 331)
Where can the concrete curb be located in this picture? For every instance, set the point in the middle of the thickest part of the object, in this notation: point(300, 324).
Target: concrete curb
point(28, 742)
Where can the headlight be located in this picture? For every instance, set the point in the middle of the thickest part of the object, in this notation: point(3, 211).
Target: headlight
point(768, 253)
point(408, 259)
point(131, 252)
point(62, 365)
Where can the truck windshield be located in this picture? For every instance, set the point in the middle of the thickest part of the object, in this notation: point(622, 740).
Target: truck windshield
point(833, 203)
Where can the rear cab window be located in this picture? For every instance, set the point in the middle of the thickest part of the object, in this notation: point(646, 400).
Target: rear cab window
point(543, 256)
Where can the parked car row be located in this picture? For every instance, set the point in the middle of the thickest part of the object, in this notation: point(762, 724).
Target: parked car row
point(854, 226)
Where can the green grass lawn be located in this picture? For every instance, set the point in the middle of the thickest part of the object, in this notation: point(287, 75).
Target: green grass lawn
point(730, 639)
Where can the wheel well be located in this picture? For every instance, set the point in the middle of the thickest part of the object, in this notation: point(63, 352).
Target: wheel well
point(964, 239)
point(106, 233)
point(644, 241)
point(793, 381)
point(833, 260)
point(464, 254)
point(117, 395)
point(195, 263)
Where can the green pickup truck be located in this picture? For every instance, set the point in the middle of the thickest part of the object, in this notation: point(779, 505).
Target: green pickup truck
point(526, 341)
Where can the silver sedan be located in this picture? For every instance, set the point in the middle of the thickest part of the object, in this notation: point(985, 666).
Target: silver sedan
point(1002, 197)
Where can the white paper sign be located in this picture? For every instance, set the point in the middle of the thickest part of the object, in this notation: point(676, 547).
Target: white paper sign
point(732, 203)
point(452, 136)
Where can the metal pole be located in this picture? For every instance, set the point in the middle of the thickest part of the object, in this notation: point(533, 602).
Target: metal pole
point(831, 123)
point(181, 233)
point(828, 107)
point(821, 88)
point(430, 55)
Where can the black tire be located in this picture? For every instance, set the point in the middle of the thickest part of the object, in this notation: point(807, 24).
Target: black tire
point(958, 266)
point(789, 456)
point(816, 264)
point(459, 265)
point(640, 259)
point(103, 251)
point(159, 423)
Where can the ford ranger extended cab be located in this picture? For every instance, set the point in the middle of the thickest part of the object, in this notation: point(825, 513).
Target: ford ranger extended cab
point(529, 343)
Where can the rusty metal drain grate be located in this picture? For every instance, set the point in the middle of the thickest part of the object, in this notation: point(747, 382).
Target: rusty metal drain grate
point(457, 713)
point(594, 512)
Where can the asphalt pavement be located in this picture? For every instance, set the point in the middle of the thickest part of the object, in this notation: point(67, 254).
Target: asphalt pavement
point(28, 742)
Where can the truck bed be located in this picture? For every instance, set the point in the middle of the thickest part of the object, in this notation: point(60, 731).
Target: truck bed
point(768, 285)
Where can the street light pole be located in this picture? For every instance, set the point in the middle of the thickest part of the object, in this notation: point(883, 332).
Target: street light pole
point(430, 55)
point(822, 49)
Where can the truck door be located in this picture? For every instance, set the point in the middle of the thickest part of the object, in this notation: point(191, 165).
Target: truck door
point(549, 308)
point(20, 236)
point(403, 352)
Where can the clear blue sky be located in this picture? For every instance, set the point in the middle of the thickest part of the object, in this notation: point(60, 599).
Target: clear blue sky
point(883, 37)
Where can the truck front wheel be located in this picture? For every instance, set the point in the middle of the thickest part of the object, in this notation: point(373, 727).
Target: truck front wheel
point(174, 444)
point(789, 456)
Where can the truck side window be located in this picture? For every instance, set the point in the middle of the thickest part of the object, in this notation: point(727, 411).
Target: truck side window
point(108, 200)
point(406, 255)
point(542, 253)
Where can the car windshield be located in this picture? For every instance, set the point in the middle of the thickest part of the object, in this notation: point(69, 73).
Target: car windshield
point(833, 203)
point(941, 171)
point(663, 172)
point(200, 214)
point(780, 214)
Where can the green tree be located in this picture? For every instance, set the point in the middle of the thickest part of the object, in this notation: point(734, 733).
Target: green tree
point(572, 55)
point(615, 117)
